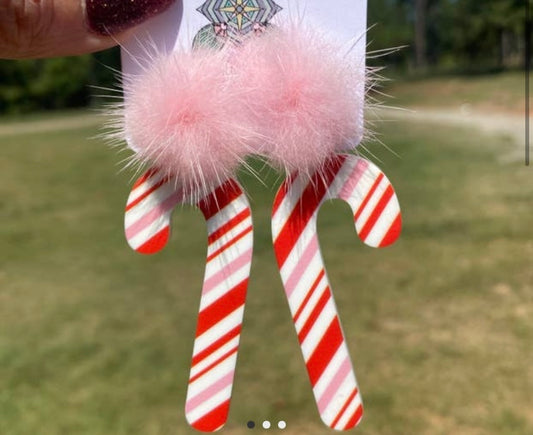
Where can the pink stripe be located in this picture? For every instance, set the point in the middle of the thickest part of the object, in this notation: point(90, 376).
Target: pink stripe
point(303, 262)
point(334, 385)
point(155, 213)
point(353, 180)
point(227, 271)
point(209, 392)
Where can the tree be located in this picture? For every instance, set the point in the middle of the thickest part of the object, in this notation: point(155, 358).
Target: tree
point(37, 84)
point(420, 34)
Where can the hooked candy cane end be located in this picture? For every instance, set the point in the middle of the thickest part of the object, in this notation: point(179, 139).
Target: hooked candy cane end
point(393, 234)
point(155, 244)
point(377, 214)
point(148, 211)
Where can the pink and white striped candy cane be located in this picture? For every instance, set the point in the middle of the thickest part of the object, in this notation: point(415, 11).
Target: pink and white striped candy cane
point(294, 216)
point(229, 256)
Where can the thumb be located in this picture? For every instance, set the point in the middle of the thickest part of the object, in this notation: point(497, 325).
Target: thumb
point(48, 28)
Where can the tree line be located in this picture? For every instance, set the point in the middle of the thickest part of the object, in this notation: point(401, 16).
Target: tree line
point(58, 83)
point(449, 35)
point(436, 36)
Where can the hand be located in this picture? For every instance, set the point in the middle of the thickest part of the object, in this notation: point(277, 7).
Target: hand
point(50, 28)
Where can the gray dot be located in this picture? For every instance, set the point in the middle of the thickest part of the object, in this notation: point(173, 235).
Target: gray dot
point(250, 424)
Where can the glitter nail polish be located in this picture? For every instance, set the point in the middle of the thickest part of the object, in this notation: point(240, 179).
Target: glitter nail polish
point(108, 17)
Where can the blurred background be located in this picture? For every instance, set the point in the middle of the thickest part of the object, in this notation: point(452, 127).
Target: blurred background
point(437, 36)
point(95, 339)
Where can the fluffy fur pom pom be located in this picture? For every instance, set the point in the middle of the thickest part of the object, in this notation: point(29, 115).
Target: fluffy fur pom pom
point(304, 95)
point(288, 95)
point(183, 115)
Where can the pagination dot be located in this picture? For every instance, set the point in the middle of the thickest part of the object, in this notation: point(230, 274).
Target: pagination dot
point(266, 424)
point(282, 424)
point(250, 424)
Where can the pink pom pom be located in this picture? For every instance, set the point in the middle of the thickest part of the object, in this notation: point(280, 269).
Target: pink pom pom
point(289, 95)
point(183, 116)
point(304, 96)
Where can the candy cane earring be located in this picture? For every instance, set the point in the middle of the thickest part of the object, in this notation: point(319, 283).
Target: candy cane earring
point(294, 218)
point(229, 255)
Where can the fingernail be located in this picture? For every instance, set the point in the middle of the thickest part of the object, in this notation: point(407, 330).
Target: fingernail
point(109, 17)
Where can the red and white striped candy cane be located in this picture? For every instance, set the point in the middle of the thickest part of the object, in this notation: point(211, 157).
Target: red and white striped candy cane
point(294, 217)
point(229, 256)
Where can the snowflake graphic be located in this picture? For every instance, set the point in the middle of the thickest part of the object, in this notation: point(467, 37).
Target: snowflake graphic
point(238, 17)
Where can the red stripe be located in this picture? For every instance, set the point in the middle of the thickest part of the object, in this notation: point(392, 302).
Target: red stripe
point(343, 409)
point(393, 233)
point(377, 212)
point(368, 196)
point(356, 418)
point(310, 322)
point(217, 345)
point(219, 198)
point(214, 419)
point(217, 362)
point(305, 208)
point(156, 242)
point(283, 188)
point(149, 173)
point(308, 296)
point(156, 186)
point(324, 352)
point(214, 236)
point(222, 308)
point(230, 243)
point(282, 192)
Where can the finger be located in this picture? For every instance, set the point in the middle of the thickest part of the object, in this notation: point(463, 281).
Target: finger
point(49, 28)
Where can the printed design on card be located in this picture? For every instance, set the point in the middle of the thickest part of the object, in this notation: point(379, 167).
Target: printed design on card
point(236, 18)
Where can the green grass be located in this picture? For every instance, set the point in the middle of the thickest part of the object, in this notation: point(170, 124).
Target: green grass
point(97, 340)
point(502, 92)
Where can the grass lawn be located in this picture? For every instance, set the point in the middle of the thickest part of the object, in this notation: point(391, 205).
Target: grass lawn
point(501, 92)
point(96, 339)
